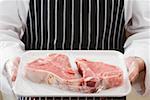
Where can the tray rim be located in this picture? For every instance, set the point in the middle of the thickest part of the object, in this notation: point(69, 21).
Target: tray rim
point(75, 95)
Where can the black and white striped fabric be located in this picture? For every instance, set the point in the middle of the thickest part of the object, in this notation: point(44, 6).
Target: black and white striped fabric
point(75, 25)
point(71, 98)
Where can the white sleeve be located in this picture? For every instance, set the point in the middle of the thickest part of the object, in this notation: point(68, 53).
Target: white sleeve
point(13, 15)
point(138, 43)
point(11, 31)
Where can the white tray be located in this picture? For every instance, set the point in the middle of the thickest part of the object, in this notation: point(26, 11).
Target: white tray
point(24, 87)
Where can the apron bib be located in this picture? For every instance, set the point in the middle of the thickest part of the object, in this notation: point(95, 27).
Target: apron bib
point(75, 25)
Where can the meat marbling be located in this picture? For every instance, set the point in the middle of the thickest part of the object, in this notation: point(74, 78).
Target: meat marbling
point(110, 76)
point(55, 69)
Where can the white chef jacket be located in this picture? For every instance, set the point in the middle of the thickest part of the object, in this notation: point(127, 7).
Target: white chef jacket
point(13, 16)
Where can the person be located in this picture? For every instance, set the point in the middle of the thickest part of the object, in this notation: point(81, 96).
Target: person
point(122, 25)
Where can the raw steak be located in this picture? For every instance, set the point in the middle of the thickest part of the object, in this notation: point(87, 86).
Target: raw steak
point(110, 76)
point(55, 70)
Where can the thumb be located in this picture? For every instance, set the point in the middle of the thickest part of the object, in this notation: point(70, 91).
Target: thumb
point(132, 68)
point(129, 62)
point(16, 61)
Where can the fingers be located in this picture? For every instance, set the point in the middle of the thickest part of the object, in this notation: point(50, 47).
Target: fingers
point(133, 69)
point(16, 61)
point(12, 68)
point(128, 62)
point(140, 62)
point(133, 72)
point(133, 76)
point(136, 68)
point(142, 83)
point(13, 78)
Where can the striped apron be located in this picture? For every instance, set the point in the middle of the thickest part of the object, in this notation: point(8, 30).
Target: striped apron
point(75, 25)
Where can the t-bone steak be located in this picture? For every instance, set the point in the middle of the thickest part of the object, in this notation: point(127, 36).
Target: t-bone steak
point(110, 75)
point(55, 69)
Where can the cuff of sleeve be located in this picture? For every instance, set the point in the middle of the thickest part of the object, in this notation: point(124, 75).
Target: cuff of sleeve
point(141, 48)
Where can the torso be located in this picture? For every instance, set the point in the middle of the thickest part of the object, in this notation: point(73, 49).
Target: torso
point(75, 25)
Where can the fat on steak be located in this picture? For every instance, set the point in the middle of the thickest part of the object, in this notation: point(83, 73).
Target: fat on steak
point(110, 75)
point(55, 69)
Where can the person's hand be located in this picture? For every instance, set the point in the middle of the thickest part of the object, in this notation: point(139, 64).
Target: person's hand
point(12, 68)
point(136, 66)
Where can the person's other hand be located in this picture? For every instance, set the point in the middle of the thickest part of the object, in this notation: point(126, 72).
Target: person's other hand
point(12, 68)
point(135, 66)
